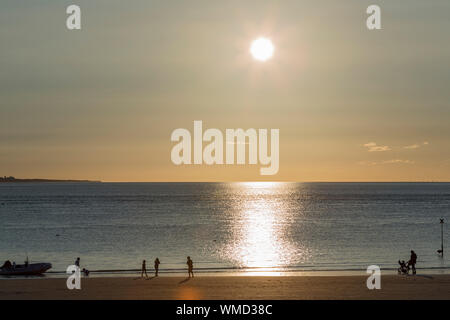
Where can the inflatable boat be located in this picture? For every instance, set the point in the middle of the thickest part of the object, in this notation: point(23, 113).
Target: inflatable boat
point(25, 269)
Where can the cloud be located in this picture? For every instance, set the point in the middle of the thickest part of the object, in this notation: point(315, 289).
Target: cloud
point(393, 161)
point(413, 146)
point(397, 161)
point(373, 147)
point(367, 163)
point(416, 145)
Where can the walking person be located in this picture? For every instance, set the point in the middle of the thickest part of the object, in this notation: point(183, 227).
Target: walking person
point(156, 266)
point(144, 270)
point(190, 265)
point(77, 262)
point(412, 261)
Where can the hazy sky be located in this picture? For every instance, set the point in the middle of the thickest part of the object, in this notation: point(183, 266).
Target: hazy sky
point(101, 103)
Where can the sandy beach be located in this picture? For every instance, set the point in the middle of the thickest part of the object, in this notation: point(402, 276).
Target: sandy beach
point(215, 288)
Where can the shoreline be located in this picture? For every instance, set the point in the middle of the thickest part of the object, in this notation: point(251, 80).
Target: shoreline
point(262, 272)
point(393, 287)
point(234, 272)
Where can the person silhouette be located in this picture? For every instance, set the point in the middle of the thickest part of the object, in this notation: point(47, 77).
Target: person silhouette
point(156, 266)
point(77, 262)
point(144, 270)
point(190, 265)
point(412, 261)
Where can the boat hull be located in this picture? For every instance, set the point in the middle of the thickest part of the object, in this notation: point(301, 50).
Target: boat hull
point(22, 270)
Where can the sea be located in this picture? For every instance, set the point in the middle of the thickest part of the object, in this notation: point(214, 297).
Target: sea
point(242, 228)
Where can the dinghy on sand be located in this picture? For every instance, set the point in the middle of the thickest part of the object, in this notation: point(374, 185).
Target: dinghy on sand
point(24, 269)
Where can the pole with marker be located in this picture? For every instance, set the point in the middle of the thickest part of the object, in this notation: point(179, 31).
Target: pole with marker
point(441, 251)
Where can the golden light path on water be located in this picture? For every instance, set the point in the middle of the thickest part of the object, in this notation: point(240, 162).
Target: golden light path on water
point(261, 226)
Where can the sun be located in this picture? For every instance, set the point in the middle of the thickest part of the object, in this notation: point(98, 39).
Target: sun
point(262, 49)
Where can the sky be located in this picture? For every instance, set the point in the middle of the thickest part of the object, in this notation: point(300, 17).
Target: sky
point(101, 103)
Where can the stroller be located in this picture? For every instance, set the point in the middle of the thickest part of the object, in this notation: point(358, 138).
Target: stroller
point(404, 268)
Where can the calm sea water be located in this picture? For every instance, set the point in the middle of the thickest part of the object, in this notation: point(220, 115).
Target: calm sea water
point(224, 226)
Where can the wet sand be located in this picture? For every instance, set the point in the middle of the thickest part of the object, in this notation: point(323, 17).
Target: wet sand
point(223, 287)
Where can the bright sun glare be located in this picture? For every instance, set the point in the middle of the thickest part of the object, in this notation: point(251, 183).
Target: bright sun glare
point(262, 49)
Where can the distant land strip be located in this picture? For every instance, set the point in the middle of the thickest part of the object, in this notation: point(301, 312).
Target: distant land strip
point(12, 179)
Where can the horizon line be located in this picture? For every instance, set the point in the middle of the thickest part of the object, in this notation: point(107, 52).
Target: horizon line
point(228, 181)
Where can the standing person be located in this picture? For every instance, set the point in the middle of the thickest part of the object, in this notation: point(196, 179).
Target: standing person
point(156, 266)
point(77, 262)
point(144, 270)
point(190, 265)
point(412, 261)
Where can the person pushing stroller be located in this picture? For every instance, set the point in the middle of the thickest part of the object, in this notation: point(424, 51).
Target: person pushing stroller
point(405, 267)
point(412, 261)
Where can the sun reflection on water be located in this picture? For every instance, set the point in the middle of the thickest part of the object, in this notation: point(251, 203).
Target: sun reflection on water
point(260, 229)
